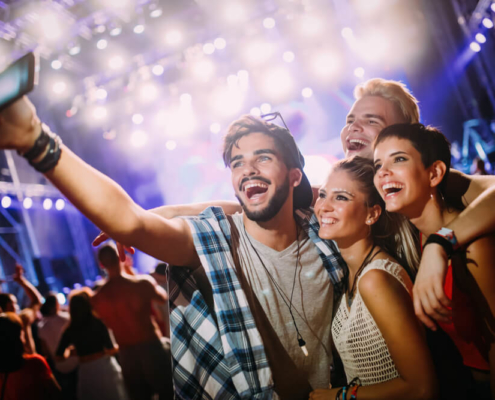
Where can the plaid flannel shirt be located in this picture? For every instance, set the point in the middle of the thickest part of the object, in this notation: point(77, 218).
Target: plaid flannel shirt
point(219, 354)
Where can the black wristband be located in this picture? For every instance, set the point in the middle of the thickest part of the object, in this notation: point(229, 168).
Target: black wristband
point(39, 146)
point(50, 160)
point(445, 243)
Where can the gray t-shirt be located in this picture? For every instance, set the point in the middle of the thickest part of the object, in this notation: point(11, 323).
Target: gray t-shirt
point(312, 302)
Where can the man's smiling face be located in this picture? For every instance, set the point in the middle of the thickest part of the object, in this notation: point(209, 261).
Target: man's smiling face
point(259, 176)
point(368, 116)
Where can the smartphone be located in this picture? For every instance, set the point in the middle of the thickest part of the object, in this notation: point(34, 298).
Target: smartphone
point(17, 80)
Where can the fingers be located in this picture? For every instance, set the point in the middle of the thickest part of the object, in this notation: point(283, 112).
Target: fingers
point(100, 239)
point(418, 309)
point(440, 295)
point(129, 249)
point(121, 251)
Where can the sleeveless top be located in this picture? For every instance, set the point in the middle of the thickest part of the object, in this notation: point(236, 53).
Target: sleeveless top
point(465, 327)
point(357, 338)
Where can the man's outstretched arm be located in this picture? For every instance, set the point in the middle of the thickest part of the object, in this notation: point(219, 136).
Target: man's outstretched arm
point(99, 198)
point(477, 194)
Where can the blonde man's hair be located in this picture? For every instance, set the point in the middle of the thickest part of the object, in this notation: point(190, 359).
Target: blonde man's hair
point(395, 91)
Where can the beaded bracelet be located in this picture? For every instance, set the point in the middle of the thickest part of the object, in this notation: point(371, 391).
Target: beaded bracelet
point(354, 391)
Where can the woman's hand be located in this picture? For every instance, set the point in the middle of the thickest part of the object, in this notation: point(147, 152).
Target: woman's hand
point(324, 394)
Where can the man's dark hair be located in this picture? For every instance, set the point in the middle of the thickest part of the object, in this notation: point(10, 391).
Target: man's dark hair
point(108, 257)
point(5, 300)
point(248, 124)
point(49, 307)
point(431, 144)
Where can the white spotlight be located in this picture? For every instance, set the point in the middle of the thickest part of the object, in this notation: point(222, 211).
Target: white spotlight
point(232, 80)
point(288, 56)
point(220, 43)
point(51, 27)
point(157, 70)
point(59, 87)
point(480, 38)
point(255, 111)
point(137, 119)
point(475, 47)
point(234, 12)
point(47, 204)
point(227, 101)
point(148, 92)
point(208, 48)
point(203, 70)
point(6, 201)
point(27, 203)
point(277, 83)
point(215, 128)
point(156, 13)
point(139, 138)
point(116, 31)
point(116, 62)
point(359, 72)
point(307, 92)
point(100, 112)
point(346, 33)
point(487, 23)
point(56, 64)
point(76, 49)
point(185, 99)
point(325, 65)
point(258, 52)
point(173, 37)
point(269, 23)
point(170, 144)
point(60, 204)
point(101, 94)
point(102, 44)
point(138, 29)
point(311, 25)
point(61, 298)
point(265, 108)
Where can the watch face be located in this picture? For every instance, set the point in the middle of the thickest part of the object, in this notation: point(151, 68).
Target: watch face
point(449, 235)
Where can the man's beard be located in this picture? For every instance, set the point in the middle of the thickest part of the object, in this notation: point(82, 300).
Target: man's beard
point(273, 207)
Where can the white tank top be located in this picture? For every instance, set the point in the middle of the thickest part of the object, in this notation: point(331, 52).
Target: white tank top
point(357, 338)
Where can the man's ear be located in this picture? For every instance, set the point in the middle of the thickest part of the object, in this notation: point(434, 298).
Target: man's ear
point(295, 176)
point(373, 214)
point(437, 172)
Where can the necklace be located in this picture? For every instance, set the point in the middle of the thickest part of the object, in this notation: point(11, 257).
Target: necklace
point(300, 340)
point(366, 261)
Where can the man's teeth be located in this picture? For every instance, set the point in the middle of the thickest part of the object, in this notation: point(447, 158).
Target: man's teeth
point(358, 141)
point(255, 184)
point(329, 221)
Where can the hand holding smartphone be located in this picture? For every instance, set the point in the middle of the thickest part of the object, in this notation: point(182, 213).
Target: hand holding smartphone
point(17, 80)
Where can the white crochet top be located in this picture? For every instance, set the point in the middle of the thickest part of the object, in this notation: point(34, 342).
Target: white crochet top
point(357, 338)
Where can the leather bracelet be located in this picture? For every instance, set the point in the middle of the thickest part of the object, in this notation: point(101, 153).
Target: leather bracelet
point(442, 241)
point(39, 145)
point(52, 156)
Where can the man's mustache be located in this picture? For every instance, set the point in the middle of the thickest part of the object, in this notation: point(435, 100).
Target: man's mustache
point(254, 178)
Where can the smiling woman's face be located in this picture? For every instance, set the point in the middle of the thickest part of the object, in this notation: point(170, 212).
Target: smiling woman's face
point(341, 208)
point(401, 178)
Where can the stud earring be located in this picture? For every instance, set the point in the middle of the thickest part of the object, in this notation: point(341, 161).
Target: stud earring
point(368, 222)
